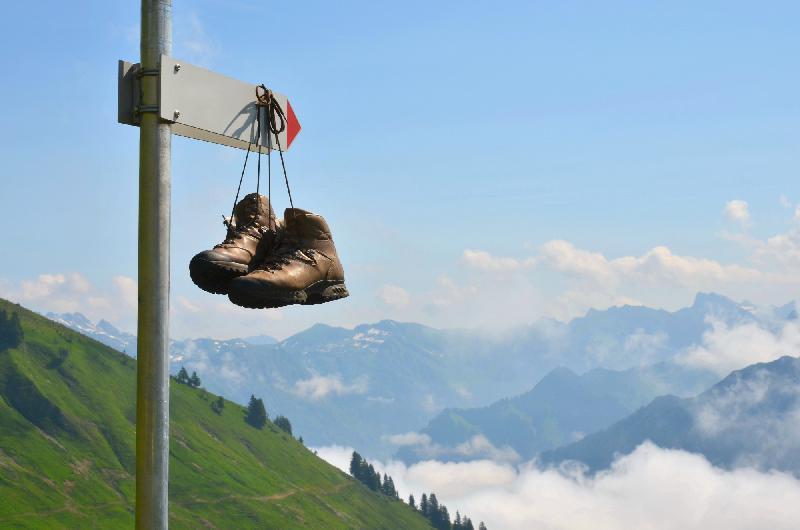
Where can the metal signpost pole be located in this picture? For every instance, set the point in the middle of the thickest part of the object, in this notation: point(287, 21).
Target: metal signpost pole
point(163, 96)
point(152, 377)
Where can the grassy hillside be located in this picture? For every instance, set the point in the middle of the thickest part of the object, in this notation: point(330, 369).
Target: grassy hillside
point(67, 414)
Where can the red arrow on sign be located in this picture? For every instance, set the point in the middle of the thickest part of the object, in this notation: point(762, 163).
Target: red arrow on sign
point(292, 125)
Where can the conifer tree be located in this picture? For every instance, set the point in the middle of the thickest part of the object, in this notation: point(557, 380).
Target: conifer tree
point(282, 422)
point(424, 508)
point(444, 518)
point(363, 473)
point(411, 501)
point(218, 404)
point(16, 329)
point(301, 440)
point(194, 381)
point(374, 479)
point(183, 376)
point(355, 465)
point(467, 524)
point(482, 526)
point(433, 504)
point(256, 413)
point(10, 330)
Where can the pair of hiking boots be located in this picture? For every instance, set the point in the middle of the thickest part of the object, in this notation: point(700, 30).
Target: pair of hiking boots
point(267, 262)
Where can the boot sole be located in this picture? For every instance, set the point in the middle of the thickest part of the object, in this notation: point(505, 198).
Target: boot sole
point(318, 293)
point(215, 276)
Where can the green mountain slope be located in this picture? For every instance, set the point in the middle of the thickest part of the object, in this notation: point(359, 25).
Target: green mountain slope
point(67, 415)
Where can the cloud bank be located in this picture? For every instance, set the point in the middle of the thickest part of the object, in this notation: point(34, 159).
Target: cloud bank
point(393, 295)
point(562, 280)
point(651, 488)
point(727, 348)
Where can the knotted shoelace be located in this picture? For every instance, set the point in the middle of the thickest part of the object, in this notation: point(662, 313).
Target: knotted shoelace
point(287, 253)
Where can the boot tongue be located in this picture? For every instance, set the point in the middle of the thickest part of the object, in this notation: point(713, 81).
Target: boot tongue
point(294, 217)
point(253, 208)
point(304, 225)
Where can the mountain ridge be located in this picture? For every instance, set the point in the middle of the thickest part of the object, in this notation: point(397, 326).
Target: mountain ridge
point(560, 408)
point(67, 456)
point(358, 387)
point(748, 418)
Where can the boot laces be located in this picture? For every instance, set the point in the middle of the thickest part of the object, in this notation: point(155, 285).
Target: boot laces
point(234, 233)
point(288, 251)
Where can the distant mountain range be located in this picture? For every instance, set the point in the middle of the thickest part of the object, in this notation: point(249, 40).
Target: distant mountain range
point(561, 408)
point(358, 386)
point(106, 333)
point(103, 332)
point(750, 418)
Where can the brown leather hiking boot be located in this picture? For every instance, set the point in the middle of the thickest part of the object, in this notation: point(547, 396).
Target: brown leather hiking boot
point(304, 269)
point(251, 234)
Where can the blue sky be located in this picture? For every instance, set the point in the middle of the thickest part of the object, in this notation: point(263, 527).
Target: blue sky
point(481, 164)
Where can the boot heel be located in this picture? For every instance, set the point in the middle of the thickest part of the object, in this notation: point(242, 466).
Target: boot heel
point(325, 291)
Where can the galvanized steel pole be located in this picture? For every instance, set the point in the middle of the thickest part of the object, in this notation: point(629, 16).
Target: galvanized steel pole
point(152, 377)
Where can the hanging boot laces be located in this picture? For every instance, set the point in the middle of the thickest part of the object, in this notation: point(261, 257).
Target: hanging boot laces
point(276, 124)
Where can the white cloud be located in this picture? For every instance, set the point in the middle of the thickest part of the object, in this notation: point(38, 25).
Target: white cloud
point(409, 438)
point(454, 479)
point(564, 257)
point(482, 260)
point(70, 292)
point(738, 211)
point(480, 447)
point(742, 413)
point(727, 348)
point(781, 249)
point(117, 302)
point(49, 285)
point(475, 448)
point(659, 265)
point(564, 281)
point(785, 202)
point(336, 455)
point(128, 288)
point(780, 252)
point(450, 293)
point(394, 296)
point(575, 280)
point(651, 488)
point(319, 386)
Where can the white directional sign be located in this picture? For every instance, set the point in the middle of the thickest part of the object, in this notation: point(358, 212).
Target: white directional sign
point(206, 106)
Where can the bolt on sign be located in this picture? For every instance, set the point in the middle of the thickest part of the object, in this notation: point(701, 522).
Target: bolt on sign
point(204, 105)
